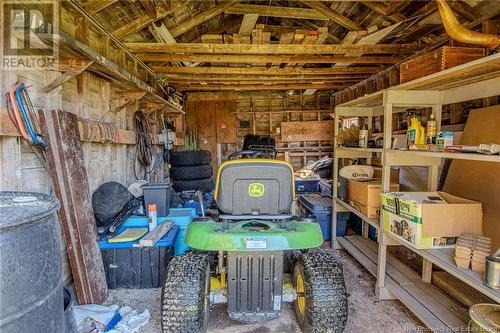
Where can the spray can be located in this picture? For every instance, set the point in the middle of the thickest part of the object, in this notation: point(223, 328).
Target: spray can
point(363, 138)
point(431, 130)
point(153, 217)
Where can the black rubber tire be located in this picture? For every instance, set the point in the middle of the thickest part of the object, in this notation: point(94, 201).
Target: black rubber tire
point(290, 259)
point(204, 185)
point(324, 293)
point(190, 158)
point(185, 303)
point(192, 172)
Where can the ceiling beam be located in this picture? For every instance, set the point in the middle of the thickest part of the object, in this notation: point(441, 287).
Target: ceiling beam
point(333, 15)
point(242, 58)
point(264, 70)
point(203, 17)
point(248, 24)
point(250, 79)
point(277, 11)
point(381, 9)
point(256, 87)
point(95, 6)
point(397, 6)
point(295, 49)
point(465, 10)
point(371, 39)
point(149, 7)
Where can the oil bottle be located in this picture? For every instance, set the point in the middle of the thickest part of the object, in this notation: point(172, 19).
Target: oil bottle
point(415, 133)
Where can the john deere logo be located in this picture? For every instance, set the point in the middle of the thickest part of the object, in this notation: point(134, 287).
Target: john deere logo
point(256, 190)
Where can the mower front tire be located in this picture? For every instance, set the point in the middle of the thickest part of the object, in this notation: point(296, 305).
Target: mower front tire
point(321, 304)
point(185, 303)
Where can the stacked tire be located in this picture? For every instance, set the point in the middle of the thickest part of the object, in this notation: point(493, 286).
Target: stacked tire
point(191, 170)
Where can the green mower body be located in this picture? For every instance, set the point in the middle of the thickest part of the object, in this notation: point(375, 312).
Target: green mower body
point(254, 235)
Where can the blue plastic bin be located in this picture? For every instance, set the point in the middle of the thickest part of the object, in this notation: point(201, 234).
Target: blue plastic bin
point(306, 185)
point(181, 217)
point(316, 205)
point(356, 224)
point(137, 267)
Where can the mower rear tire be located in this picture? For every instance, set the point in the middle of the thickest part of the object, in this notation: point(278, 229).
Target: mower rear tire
point(190, 157)
point(185, 302)
point(321, 304)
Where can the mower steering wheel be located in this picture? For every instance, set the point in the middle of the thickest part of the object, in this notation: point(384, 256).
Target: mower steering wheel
point(248, 154)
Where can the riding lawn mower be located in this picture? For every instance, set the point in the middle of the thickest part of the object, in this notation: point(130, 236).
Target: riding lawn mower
point(240, 256)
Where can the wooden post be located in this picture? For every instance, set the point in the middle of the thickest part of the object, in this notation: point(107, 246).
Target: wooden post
point(67, 167)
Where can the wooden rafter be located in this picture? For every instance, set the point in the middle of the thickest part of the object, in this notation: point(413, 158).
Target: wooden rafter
point(397, 6)
point(242, 58)
point(265, 71)
point(333, 15)
point(277, 11)
point(251, 77)
point(381, 9)
point(465, 10)
point(94, 6)
point(247, 24)
point(203, 17)
point(233, 87)
point(271, 48)
point(149, 7)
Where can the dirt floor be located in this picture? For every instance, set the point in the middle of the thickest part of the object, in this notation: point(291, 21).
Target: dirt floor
point(366, 313)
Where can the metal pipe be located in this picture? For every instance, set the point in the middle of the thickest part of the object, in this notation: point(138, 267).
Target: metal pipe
point(459, 33)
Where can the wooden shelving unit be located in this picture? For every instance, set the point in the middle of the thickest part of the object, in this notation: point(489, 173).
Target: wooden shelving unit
point(473, 80)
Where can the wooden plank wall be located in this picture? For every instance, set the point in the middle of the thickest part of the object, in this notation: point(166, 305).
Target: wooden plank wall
point(85, 95)
point(261, 113)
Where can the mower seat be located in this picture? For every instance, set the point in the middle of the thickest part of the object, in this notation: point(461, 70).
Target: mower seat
point(256, 187)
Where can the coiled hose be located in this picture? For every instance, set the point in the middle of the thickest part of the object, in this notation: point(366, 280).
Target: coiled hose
point(143, 145)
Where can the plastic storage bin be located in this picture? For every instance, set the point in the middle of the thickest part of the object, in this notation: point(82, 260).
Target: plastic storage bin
point(137, 267)
point(357, 226)
point(159, 194)
point(181, 217)
point(316, 205)
point(306, 185)
point(325, 186)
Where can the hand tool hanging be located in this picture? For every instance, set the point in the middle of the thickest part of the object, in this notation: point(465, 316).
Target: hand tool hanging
point(24, 117)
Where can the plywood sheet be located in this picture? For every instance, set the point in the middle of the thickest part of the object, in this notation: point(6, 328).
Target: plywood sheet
point(307, 131)
point(480, 181)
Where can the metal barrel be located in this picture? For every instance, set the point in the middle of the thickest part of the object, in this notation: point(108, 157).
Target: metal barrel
point(31, 293)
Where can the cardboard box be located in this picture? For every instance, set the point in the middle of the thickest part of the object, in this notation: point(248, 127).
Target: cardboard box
point(364, 195)
point(429, 220)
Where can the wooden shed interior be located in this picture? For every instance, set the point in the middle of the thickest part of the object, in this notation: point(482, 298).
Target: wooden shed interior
point(217, 71)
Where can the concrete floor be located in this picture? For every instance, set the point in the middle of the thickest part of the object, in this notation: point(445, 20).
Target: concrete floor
point(366, 313)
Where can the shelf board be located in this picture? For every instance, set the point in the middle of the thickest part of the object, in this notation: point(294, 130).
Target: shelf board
point(373, 222)
point(430, 304)
point(362, 150)
point(443, 258)
point(452, 80)
point(432, 154)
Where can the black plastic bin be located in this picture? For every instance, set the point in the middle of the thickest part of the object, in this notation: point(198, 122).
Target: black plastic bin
point(137, 267)
point(159, 194)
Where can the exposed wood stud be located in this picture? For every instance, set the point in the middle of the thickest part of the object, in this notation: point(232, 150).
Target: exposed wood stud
point(277, 11)
point(247, 24)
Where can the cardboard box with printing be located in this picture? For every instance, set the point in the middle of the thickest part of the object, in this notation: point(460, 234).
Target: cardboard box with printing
point(364, 195)
point(429, 220)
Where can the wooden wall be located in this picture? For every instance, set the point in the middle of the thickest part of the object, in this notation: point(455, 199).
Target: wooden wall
point(263, 114)
point(86, 95)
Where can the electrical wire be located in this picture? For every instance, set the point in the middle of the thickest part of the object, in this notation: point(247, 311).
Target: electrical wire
point(143, 145)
